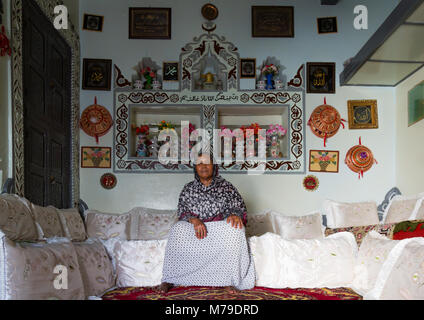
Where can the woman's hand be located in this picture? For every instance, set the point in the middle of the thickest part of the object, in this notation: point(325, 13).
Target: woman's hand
point(236, 221)
point(199, 228)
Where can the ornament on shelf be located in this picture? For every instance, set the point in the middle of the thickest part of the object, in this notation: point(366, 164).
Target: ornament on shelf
point(325, 121)
point(96, 120)
point(360, 159)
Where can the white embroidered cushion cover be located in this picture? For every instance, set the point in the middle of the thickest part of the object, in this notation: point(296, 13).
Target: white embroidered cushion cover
point(16, 219)
point(151, 224)
point(107, 225)
point(72, 224)
point(139, 263)
point(297, 227)
point(26, 271)
point(95, 267)
point(304, 263)
point(372, 254)
point(402, 275)
point(259, 224)
point(419, 210)
point(402, 208)
point(48, 220)
point(342, 214)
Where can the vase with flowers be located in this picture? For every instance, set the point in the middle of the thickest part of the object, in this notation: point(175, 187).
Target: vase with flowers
point(269, 71)
point(252, 144)
point(273, 135)
point(148, 74)
point(142, 142)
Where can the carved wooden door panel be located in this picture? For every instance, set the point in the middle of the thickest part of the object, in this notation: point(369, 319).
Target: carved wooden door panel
point(47, 110)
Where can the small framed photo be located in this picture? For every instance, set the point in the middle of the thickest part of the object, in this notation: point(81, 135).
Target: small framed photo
point(92, 22)
point(248, 68)
point(363, 114)
point(150, 23)
point(96, 157)
point(327, 25)
point(97, 74)
point(416, 104)
point(273, 21)
point(170, 71)
point(321, 77)
point(324, 161)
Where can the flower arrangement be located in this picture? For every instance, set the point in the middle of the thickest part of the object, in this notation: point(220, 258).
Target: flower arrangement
point(165, 125)
point(276, 129)
point(144, 129)
point(270, 69)
point(225, 132)
point(255, 127)
point(149, 75)
point(324, 159)
point(97, 155)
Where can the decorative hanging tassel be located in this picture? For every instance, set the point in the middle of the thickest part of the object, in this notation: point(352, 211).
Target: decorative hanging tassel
point(95, 100)
point(375, 161)
point(341, 122)
point(97, 138)
point(325, 139)
point(362, 173)
point(325, 100)
point(360, 141)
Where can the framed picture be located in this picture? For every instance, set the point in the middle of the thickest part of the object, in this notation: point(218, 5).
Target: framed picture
point(323, 161)
point(272, 21)
point(416, 104)
point(248, 68)
point(96, 74)
point(150, 23)
point(96, 157)
point(362, 114)
point(170, 71)
point(321, 77)
point(92, 22)
point(327, 25)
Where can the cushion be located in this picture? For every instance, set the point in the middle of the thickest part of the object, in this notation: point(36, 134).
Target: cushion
point(72, 224)
point(372, 254)
point(48, 221)
point(106, 225)
point(95, 267)
point(342, 214)
point(408, 229)
point(151, 224)
point(28, 271)
point(139, 263)
point(402, 275)
point(258, 224)
point(298, 227)
point(304, 263)
point(362, 231)
point(401, 208)
point(16, 219)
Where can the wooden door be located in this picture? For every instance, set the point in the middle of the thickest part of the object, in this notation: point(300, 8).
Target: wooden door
point(47, 110)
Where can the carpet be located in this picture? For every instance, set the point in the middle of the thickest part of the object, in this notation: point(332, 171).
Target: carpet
point(219, 293)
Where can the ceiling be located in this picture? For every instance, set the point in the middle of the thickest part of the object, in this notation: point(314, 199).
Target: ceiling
point(393, 53)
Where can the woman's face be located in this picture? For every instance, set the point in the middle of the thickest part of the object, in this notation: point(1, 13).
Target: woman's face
point(204, 167)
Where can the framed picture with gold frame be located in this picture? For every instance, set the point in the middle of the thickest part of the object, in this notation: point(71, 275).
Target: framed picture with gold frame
point(324, 161)
point(95, 157)
point(248, 68)
point(149, 23)
point(363, 114)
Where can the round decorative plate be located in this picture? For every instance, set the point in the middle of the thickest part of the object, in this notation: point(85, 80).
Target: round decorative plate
point(209, 11)
point(310, 183)
point(325, 121)
point(359, 159)
point(108, 181)
point(96, 120)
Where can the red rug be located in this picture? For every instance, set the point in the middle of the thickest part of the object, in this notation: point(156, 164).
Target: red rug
point(219, 293)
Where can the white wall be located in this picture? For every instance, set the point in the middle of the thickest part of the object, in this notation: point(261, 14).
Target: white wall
point(284, 193)
point(409, 141)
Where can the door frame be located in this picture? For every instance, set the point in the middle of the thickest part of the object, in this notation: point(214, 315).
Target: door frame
point(72, 39)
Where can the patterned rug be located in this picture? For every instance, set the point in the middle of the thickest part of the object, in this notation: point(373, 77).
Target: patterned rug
point(219, 293)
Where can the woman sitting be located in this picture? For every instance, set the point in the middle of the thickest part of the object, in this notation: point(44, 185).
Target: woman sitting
point(208, 246)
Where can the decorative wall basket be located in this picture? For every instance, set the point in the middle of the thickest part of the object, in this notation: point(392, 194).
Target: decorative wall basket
point(360, 159)
point(325, 121)
point(96, 120)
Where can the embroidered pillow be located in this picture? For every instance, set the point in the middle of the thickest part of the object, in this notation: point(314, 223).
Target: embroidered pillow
point(151, 224)
point(297, 227)
point(342, 214)
point(16, 219)
point(402, 208)
point(408, 229)
point(48, 221)
point(72, 224)
point(106, 225)
point(361, 231)
point(258, 224)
